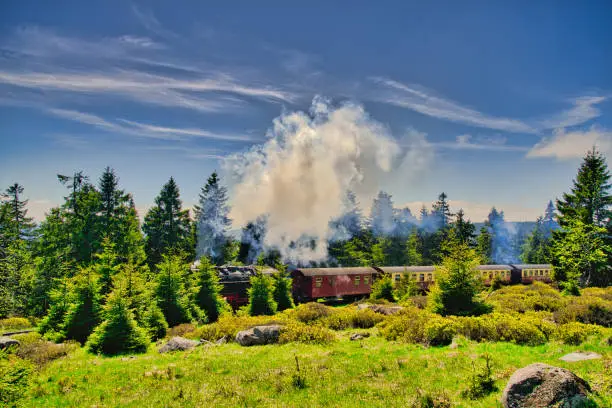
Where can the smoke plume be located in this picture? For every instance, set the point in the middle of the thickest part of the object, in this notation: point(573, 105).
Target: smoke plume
point(300, 177)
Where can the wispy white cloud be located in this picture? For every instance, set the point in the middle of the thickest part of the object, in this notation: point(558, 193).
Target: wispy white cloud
point(150, 22)
point(425, 102)
point(130, 67)
point(584, 109)
point(564, 145)
point(464, 142)
point(131, 128)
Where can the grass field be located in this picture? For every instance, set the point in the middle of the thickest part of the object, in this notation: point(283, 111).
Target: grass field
point(369, 373)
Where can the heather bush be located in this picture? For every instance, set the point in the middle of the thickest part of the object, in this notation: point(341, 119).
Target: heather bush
point(576, 333)
point(181, 330)
point(586, 309)
point(309, 312)
point(40, 351)
point(305, 333)
point(14, 323)
point(537, 296)
point(347, 318)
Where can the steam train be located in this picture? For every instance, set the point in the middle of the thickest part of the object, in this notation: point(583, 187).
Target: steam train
point(356, 282)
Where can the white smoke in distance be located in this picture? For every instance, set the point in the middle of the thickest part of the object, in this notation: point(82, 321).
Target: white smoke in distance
point(300, 176)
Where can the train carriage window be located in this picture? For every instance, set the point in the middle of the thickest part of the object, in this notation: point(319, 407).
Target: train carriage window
point(422, 277)
point(357, 280)
point(397, 277)
point(429, 277)
point(332, 280)
point(413, 276)
point(366, 280)
point(318, 282)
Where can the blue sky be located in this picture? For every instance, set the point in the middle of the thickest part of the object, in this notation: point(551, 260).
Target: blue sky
point(507, 97)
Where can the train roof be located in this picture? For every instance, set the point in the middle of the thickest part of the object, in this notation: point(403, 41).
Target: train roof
point(335, 271)
point(494, 267)
point(532, 266)
point(402, 269)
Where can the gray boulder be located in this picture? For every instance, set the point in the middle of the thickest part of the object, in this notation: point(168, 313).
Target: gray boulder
point(580, 356)
point(259, 335)
point(541, 386)
point(178, 344)
point(382, 309)
point(359, 336)
point(6, 342)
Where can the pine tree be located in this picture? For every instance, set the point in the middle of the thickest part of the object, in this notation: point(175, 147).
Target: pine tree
point(119, 332)
point(549, 223)
point(382, 289)
point(170, 292)
point(106, 267)
point(261, 301)
point(457, 284)
point(208, 297)
point(587, 208)
point(282, 289)
point(406, 287)
point(155, 322)
point(414, 249)
point(212, 220)
point(483, 245)
point(85, 312)
point(20, 226)
point(60, 300)
point(441, 211)
point(580, 256)
point(537, 247)
point(252, 241)
point(381, 216)
point(167, 226)
point(464, 229)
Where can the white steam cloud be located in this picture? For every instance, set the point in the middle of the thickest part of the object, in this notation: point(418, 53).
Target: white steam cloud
point(300, 176)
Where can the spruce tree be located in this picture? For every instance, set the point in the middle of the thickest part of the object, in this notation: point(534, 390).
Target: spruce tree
point(170, 292)
point(414, 249)
point(85, 312)
point(261, 300)
point(119, 332)
point(106, 267)
point(537, 248)
point(212, 220)
point(464, 229)
point(457, 283)
point(483, 245)
point(167, 226)
point(381, 216)
point(382, 289)
point(585, 213)
point(20, 226)
point(208, 296)
point(441, 211)
point(282, 289)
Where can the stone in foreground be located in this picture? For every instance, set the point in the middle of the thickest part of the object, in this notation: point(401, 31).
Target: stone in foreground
point(382, 309)
point(259, 335)
point(580, 356)
point(178, 344)
point(6, 342)
point(542, 386)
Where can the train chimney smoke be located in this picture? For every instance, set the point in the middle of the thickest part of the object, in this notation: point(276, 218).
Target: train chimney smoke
point(300, 177)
